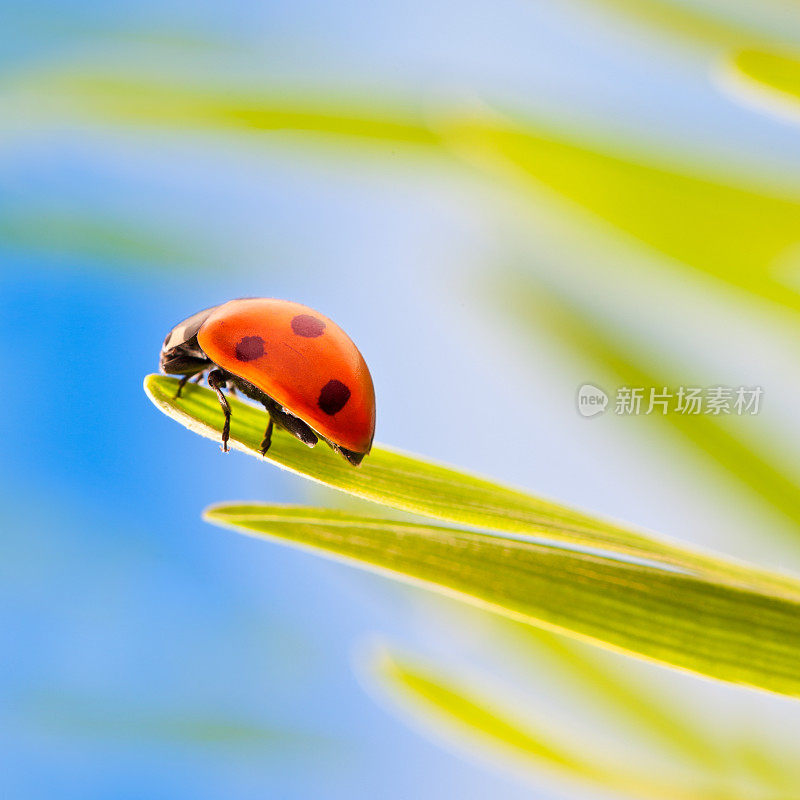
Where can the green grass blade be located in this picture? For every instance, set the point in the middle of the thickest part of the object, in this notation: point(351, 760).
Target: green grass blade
point(185, 105)
point(447, 707)
point(76, 717)
point(653, 612)
point(596, 676)
point(766, 78)
point(409, 483)
point(96, 239)
point(389, 477)
point(770, 69)
point(752, 464)
point(696, 22)
point(441, 697)
point(657, 204)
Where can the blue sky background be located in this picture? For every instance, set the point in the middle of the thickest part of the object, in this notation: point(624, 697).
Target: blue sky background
point(147, 654)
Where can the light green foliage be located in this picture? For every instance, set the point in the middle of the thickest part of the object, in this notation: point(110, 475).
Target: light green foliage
point(753, 464)
point(666, 604)
point(653, 201)
point(546, 567)
point(87, 237)
point(594, 679)
point(442, 702)
point(707, 23)
point(162, 103)
point(771, 71)
point(656, 201)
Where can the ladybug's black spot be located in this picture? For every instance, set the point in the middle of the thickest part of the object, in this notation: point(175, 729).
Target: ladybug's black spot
point(306, 325)
point(333, 397)
point(249, 348)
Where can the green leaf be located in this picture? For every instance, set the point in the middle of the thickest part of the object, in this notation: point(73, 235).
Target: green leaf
point(693, 218)
point(408, 483)
point(433, 693)
point(767, 78)
point(95, 238)
point(632, 704)
point(448, 707)
point(151, 102)
point(693, 622)
point(713, 26)
point(105, 719)
point(597, 676)
point(649, 199)
point(773, 70)
point(393, 478)
point(662, 602)
point(753, 464)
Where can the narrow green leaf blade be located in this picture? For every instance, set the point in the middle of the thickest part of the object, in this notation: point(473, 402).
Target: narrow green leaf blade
point(770, 70)
point(595, 674)
point(387, 476)
point(653, 612)
point(173, 103)
point(449, 708)
point(712, 25)
point(754, 464)
point(658, 204)
point(96, 239)
point(766, 80)
point(409, 483)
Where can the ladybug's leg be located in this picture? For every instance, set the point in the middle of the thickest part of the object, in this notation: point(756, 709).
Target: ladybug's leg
point(197, 378)
point(216, 380)
point(267, 440)
point(181, 384)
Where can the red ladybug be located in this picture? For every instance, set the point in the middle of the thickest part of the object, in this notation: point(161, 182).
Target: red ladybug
point(300, 365)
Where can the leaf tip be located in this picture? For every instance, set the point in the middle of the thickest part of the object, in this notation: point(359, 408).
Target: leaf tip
point(216, 513)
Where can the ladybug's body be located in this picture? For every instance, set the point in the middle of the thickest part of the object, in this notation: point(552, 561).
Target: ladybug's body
point(300, 365)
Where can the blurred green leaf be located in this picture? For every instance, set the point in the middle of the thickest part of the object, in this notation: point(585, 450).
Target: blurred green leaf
point(409, 483)
point(591, 671)
point(438, 697)
point(769, 78)
point(769, 764)
point(712, 25)
point(753, 464)
point(85, 236)
point(694, 622)
point(88, 716)
point(772, 70)
point(226, 108)
point(734, 232)
point(731, 229)
point(447, 706)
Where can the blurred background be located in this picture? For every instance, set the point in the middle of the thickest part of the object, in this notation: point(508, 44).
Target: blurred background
point(499, 202)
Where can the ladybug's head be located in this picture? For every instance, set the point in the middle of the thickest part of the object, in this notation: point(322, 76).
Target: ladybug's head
point(180, 353)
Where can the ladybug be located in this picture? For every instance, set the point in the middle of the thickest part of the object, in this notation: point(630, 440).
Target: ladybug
point(301, 366)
